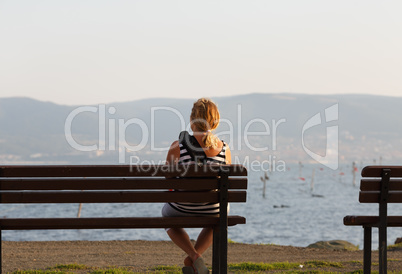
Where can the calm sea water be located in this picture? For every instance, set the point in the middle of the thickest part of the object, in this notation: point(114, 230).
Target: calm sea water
point(293, 212)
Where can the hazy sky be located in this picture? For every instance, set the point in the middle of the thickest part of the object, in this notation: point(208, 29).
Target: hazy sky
point(96, 51)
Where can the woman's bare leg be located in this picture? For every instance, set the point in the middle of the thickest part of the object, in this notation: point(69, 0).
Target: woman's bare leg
point(204, 241)
point(180, 237)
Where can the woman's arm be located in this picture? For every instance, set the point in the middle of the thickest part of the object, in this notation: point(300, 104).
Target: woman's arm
point(228, 156)
point(173, 155)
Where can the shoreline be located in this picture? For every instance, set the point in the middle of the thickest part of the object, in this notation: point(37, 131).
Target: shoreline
point(141, 256)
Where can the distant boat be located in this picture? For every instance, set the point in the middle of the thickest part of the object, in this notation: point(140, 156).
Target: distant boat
point(317, 196)
point(281, 206)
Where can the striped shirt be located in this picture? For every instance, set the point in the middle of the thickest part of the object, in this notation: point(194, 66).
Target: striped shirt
point(200, 208)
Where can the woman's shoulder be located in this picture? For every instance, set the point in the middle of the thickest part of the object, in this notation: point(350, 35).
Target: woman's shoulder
point(220, 145)
point(175, 146)
point(220, 148)
point(175, 143)
point(173, 153)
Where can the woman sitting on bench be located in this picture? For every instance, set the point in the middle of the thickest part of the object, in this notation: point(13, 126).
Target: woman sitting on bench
point(206, 148)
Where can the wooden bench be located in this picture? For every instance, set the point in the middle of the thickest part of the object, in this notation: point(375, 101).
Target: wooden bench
point(127, 184)
point(382, 185)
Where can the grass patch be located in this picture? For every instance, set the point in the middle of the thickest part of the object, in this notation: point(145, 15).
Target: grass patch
point(247, 266)
point(112, 271)
point(70, 266)
point(355, 262)
point(310, 272)
point(38, 272)
point(315, 264)
point(69, 269)
point(255, 267)
point(395, 246)
point(268, 244)
point(58, 269)
point(168, 269)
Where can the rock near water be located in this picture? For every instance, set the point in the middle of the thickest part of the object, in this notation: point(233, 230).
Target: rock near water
point(334, 245)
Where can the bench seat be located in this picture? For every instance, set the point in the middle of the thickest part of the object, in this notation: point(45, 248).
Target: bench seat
point(115, 223)
point(371, 221)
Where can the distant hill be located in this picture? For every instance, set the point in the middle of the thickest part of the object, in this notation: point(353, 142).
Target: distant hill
point(34, 131)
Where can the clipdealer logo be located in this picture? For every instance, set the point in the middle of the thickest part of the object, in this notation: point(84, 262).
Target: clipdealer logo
point(330, 159)
point(116, 133)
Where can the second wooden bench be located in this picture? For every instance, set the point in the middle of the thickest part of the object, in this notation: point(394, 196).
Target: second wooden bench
point(381, 185)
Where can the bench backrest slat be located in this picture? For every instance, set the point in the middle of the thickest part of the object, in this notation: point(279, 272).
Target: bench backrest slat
point(121, 171)
point(376, 171)
point(117, 197)
point(116, 183)
point(374, 197)
point(375, 185)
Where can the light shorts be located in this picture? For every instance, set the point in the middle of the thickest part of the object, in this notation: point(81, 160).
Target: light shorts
point(169, 211)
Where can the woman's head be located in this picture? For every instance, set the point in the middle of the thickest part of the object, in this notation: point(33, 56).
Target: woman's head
point(205, 118)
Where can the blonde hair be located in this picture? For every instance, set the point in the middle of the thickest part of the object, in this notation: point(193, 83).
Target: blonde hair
point(205, 117)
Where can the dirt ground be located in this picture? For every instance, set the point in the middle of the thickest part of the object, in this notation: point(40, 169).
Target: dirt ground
point(143, 256)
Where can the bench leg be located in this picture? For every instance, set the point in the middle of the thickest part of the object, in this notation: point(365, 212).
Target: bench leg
point(367, 250)
point(1, 255)
point(382, 249)
point(215, 251)
point(223, 248)
point(382, 228)
point(220, 251)
point(223, 221)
